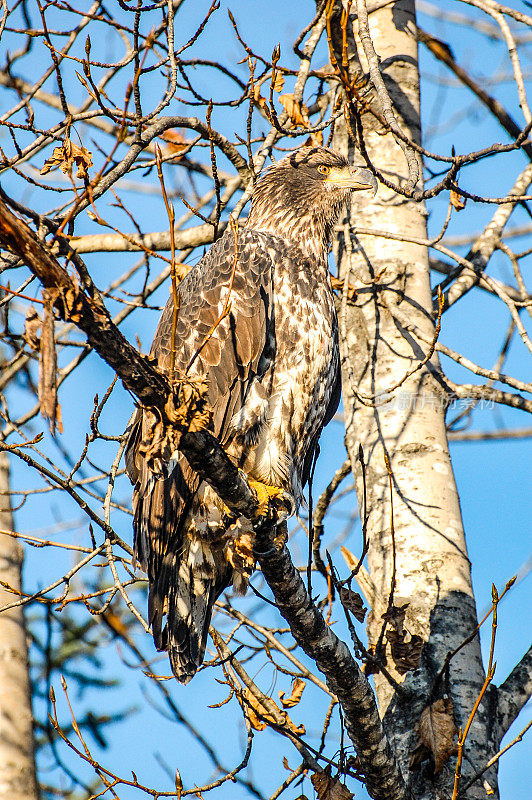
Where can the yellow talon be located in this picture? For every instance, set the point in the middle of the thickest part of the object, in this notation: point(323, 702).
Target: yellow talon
point(265, 493)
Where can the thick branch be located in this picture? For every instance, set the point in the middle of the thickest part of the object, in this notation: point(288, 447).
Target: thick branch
point(384, 97)
point(208, 459)
point(444, 268)
point(332, 657)
point(138, 375)
point(158, 240)
point(515, 692)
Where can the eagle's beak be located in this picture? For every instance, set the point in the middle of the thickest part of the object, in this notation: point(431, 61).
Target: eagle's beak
point(356, 178)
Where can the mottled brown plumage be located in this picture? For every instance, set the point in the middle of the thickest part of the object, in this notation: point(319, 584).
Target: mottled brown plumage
point(272, 370)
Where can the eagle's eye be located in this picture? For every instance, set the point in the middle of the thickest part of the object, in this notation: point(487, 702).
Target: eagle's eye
point(324, 169)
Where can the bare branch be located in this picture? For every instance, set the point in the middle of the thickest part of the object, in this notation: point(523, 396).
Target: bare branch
point(483, 248)
point(384, 97)
point(443, 53)
point(515, 692)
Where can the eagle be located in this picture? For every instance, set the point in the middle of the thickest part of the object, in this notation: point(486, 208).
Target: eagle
point(256, 326)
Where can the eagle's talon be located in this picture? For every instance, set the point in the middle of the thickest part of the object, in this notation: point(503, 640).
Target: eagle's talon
point(265, 493)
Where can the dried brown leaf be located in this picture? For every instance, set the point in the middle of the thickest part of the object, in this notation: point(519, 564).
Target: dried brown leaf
point(299, 730)
point(254, 721)
point(353, 602)
point(298, 685)
point(68, 155)
point(48, 367)
point(297, 111)
point(314, 140)
point(406, 654)
point(329, 788)
point(436, 732)
point(395, 616)
point(352, 294)
point(278, 82)
point(257, 714)
point(457, 201)
point(32, 324)
point(261, 102)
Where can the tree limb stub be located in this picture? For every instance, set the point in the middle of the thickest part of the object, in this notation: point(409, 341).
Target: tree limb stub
point(202, 450)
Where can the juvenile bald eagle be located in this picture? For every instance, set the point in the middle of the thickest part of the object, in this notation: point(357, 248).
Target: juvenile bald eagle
point(272, 369)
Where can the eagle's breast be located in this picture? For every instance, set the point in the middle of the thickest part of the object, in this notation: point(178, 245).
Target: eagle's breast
point(286, 406)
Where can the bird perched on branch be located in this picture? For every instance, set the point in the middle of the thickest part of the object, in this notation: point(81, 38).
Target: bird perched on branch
point(256, 328)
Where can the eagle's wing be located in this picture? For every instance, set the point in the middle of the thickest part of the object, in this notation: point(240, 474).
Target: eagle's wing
point(225, 317)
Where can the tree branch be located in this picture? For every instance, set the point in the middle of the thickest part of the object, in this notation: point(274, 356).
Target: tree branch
point(158, 240)
point(486, 243)
point(442, 52)
point(444, 268)
point(515, 692)
point(384, 97)
point(332, 657)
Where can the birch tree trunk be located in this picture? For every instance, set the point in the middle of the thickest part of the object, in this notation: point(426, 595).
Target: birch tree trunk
point(386, 333)
point(17, 758)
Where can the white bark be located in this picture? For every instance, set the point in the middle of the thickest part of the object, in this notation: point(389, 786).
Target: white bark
point(17, 758)
point(381, 346)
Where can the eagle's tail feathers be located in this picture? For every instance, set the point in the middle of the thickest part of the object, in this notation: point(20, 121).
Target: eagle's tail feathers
point(193, 591)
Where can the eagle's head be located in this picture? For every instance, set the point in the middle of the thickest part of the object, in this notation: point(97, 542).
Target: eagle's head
point(301, 196)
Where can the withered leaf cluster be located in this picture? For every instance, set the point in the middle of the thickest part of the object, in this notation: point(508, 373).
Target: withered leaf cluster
point(353, 602)
point(68, 155)
point(405, 648)
point(45, 346)
point(260, 717)
point(298, 112)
